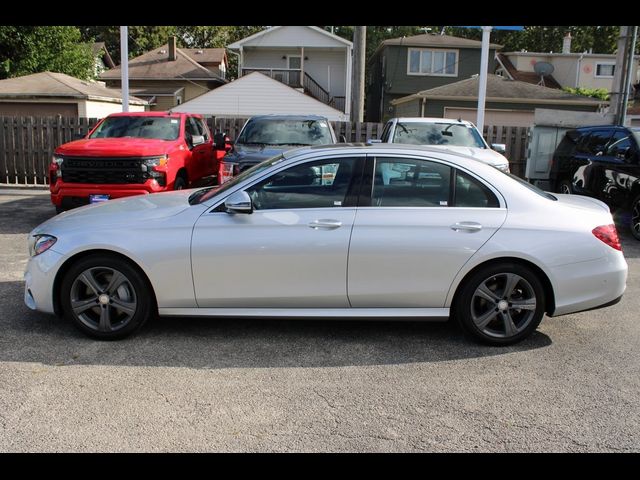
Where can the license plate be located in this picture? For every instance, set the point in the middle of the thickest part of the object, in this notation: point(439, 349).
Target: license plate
point(98, 198)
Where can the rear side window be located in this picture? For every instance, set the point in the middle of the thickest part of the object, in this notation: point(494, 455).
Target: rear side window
point(620, 146)
point(568, 143)
point(471, 193)
point(594, 143)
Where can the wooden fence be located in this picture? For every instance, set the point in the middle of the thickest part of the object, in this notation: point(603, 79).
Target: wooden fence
point(27, 143)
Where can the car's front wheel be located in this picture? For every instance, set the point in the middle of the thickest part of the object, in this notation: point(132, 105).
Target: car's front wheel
point(501, 304)
point(565, 186)
point(105, 297)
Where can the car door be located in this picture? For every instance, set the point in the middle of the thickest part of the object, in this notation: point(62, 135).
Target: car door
point(291, 251)
point(209, 164)
point(590, 163)
point(199, 153)
point(419, 224)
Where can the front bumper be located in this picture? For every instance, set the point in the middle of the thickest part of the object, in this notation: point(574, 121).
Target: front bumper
point(81, 191)
point(39, 277)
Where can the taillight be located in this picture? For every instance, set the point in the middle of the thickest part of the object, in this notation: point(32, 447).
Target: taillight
point(609, 235)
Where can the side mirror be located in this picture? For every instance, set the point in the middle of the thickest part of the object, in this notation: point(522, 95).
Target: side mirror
point(499, 147)
point(343, 139)
point(238, 202)
point(219, 141)
point(197, 140)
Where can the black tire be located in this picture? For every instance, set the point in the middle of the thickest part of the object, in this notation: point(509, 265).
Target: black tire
point(490, 314)
point(565, 186)
point(59, 210)
point(180, 183)
point(104, 310)
point(634, 222)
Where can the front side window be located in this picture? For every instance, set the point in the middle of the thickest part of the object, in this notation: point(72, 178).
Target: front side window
point(423, 61)
point(456, 134)
point(159, 128)
point(317, 184)
point(595, 142)
point(620, 146)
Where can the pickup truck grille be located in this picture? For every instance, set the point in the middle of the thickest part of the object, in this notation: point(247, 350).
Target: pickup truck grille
point(107, 170)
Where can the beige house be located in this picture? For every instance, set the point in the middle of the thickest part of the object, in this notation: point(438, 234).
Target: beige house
point(49, 94)
point(168, 76)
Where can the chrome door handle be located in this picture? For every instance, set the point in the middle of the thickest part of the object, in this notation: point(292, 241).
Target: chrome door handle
point(325, 224)
point(466, 226)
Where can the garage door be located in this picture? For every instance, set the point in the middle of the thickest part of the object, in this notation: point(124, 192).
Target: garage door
point(37, 109)
point(507, 118)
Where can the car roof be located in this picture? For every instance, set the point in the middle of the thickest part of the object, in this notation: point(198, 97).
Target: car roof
point(432, 120)
point(152, 114)
point(288, 117)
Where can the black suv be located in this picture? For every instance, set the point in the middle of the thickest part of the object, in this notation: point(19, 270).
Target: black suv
point(601, 162)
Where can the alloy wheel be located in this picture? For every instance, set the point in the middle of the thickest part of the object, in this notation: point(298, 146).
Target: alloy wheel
point(503, 305)
point(103, 299)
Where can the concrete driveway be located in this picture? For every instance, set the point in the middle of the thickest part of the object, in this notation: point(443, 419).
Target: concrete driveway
point(264, 385)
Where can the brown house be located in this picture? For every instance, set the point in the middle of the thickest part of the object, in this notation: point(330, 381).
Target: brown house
point(168, 76)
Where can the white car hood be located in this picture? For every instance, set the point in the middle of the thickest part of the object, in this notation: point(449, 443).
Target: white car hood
point(485, 155)
point(120, 212)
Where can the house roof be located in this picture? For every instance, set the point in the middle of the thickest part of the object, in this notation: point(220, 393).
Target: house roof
point(100, 48)
point(257, 94)
point(431, 40)
point(52, 84)
point(256, 37)
point(500, 89)
point(206, 55)
point(529, 77)
point(155, 65)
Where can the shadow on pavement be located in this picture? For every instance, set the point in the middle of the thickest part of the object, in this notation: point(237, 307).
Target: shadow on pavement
point(237, 343)
point(22, 214)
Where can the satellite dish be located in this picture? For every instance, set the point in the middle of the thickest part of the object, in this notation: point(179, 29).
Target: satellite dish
point(543, 69)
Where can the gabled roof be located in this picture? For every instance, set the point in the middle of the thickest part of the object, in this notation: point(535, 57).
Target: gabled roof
point(206, 55)
point(257, 94)
point(529, 77)
point(442, 41)
point(155, 65)
point(261, 38)
point(501, 90)
point(100, 48)
point(51, 84)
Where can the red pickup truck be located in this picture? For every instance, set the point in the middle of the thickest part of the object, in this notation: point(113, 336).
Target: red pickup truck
point(131, 154)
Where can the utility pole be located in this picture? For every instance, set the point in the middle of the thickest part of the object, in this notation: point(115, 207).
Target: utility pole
point(631, 44)
point(617, 93)
point(359, 51)
point(124, 67)
point(482, 81)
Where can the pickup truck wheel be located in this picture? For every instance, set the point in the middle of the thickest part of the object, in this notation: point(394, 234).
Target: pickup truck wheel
point(180, 183)
point(565, 186)
point(105, 297)
point(635, 218)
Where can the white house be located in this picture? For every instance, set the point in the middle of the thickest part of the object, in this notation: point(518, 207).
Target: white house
point(257, 94)
point(304, 57)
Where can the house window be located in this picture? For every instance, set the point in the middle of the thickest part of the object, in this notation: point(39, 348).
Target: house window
point(605, 70)
point(422, 61)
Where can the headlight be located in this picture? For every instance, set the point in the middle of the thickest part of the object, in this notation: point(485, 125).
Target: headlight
point(40, 243)
point(156, 161)
point(57, 161)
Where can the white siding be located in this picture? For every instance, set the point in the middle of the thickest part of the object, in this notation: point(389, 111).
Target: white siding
point(293, 36)
point(257, 94)
point(94, 109)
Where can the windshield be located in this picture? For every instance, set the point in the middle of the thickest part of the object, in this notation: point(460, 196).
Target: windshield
point(205, 194)
point(159, 128)
point(273, 131)
point(531, 187)
point(455, 134)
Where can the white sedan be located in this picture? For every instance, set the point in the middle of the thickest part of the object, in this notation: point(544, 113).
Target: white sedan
point(335, 231)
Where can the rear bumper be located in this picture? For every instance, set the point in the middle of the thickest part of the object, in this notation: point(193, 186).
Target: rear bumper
point(81, 191)
point(589, 285)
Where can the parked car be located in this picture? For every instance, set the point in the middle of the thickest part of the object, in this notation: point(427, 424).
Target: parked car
point(454, 135)
point(130, 154)
point(602, 162)
point(264, 136)
point(320, 232)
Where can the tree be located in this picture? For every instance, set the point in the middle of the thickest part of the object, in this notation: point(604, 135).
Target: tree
point(32, 49)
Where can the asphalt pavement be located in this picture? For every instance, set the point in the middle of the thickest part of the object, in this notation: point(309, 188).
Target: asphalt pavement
point(198, 385)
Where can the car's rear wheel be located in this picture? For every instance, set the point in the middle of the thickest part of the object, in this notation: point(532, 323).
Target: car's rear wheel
point(501, 304)
point(565, 186)
point(105, 297)
point(635, 218)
